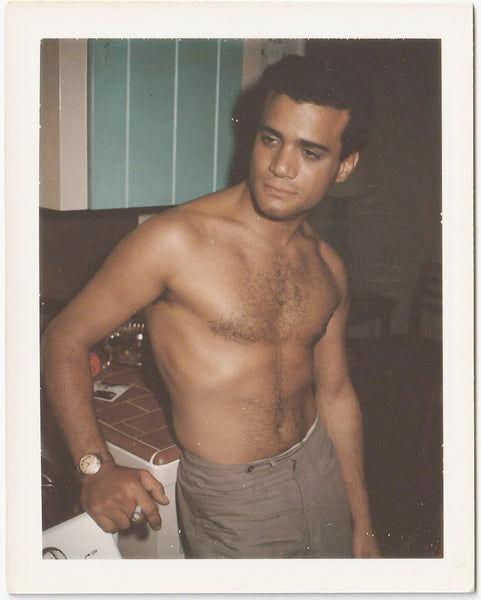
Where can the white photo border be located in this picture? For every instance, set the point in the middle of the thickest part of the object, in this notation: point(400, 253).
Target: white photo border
point(29, 22)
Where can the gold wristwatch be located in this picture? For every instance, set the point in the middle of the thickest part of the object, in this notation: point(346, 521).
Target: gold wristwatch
point(90, 463)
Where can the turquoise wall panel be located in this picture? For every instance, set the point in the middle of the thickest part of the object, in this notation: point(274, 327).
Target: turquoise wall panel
point(230, 83)
point(160, 128)
point(151, 122)
point(107, 109)
point(194, 161)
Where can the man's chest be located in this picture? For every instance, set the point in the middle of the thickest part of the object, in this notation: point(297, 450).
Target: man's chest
point(249, 298)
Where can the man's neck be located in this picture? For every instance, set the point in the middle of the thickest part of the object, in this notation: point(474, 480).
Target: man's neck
point(278, 232)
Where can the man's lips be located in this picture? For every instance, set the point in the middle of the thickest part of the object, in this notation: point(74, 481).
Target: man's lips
point(279, 192)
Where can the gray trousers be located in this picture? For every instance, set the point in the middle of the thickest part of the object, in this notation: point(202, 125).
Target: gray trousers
point(291, 505)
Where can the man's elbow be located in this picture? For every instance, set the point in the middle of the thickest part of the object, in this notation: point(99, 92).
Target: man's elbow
point(53, 335)
point(58, 341)
point(342, 393)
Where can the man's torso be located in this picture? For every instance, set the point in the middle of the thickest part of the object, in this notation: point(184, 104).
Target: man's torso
point(233, 335)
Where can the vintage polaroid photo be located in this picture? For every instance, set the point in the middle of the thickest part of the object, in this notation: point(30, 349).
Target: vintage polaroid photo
point(118, 112)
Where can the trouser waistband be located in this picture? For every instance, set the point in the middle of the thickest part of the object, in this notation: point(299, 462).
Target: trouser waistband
point(315, 431)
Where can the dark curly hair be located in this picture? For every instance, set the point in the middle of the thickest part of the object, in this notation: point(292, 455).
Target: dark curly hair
point(321, 82)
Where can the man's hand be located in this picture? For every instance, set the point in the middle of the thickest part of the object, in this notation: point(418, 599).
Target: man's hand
point(111, 496)
point(364, 544)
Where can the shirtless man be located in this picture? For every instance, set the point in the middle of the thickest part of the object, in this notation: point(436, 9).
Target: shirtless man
point(246, 309)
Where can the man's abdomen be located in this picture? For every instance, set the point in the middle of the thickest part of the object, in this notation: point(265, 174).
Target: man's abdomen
point(256, 410)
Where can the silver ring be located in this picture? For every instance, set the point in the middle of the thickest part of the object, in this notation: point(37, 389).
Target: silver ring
point(137, 514)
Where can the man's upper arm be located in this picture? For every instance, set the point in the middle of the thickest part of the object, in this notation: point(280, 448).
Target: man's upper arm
point(330, 361)
point(133, 276)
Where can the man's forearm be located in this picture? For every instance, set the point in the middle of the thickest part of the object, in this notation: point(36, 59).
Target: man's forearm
point(343, 421)
point(68, 384)
point(111, 495)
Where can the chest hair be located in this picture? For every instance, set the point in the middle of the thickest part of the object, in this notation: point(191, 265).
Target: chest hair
point(277, 301)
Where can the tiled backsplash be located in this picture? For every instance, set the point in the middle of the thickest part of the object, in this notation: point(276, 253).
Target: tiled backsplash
point(136, 421)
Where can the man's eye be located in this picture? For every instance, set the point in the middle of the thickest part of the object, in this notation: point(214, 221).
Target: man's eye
point(268, 140)
point(311, 155)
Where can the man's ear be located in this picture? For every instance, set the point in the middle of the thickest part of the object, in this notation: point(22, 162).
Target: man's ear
point(347, 167)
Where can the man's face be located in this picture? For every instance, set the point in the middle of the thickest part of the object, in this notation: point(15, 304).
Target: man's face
point(296, 157)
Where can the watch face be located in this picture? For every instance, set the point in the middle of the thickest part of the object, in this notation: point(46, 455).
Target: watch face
point(89, 464)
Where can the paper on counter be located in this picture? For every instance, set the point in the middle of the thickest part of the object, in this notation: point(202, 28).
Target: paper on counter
point(108, 392)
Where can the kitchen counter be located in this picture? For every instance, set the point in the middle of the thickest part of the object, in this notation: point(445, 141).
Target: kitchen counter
point(137, 421)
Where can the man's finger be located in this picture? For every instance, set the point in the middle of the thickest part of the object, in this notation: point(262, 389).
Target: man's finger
point(105, 523)
point(148, 509)
point(151, 513)
point(154, 487)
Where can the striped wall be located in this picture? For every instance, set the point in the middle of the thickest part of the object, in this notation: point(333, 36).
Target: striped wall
point(159, 119)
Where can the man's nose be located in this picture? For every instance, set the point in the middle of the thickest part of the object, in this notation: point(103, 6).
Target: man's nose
point(283, 163)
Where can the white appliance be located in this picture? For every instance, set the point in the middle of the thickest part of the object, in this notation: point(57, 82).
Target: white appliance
point(142, 541)
point(79, 538)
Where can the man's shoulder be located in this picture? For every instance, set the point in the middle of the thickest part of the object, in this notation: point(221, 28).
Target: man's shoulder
point(169, 225)
point(183, 224)
point(325, 251)
point(334, 263)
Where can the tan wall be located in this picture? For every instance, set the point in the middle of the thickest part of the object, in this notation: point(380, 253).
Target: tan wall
point(63, 119)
